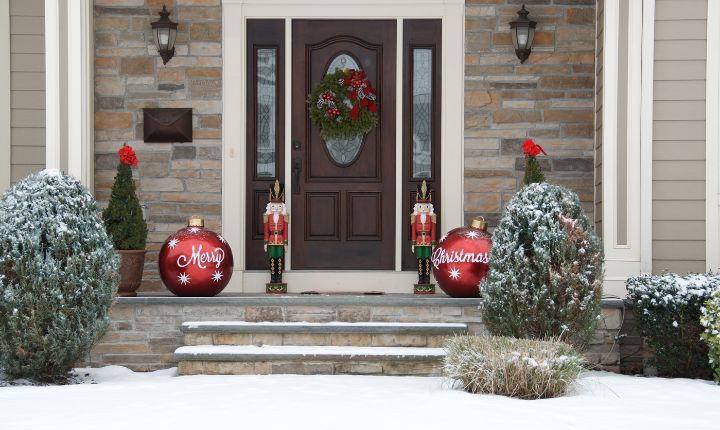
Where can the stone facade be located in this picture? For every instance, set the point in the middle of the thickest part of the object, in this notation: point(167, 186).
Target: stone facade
point(550, 99)
point(177, 180)
point(145, 331)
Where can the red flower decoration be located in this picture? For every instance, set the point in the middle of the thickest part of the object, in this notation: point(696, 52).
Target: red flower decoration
point(127, 156)
point(328, 97)
point(530, 148)
point(334, 112)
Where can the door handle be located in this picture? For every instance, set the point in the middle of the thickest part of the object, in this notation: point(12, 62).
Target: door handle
point(297, 166)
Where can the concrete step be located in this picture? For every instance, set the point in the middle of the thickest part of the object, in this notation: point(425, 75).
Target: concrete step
point(364, 334)
point(308, 360)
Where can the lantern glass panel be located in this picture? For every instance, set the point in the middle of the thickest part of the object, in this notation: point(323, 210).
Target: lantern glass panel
point(172, 35)
point(521, 37)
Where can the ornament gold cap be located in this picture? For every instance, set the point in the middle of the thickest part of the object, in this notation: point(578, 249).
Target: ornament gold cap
point(196, 221)
point(479, 223)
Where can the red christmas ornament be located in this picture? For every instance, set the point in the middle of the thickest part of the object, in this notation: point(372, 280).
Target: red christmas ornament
point(195, 261)
point(460, 260)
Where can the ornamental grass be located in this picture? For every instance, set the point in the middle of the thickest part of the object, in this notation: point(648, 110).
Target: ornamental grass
point(521, 368)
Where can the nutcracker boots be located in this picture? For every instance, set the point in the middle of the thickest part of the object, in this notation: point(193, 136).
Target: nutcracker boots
point(273, 270)
point(279, 271)
point(427, 270)
point(423, 270)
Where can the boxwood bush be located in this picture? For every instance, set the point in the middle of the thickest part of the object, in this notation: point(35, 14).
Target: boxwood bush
point(546, 268)
point(58, 273)
point(668, 309)
point(710, 319)
point(522, 368)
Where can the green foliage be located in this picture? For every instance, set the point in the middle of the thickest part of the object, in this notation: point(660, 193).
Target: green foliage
point(710, 319)
point(533, 172)
point(342, 127)
point(522, 368)
point(123, 217)
point(668, 309)
point(58, 273)
point(546, 268)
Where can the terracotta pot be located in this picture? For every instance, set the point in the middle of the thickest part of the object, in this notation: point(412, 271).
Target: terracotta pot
point(132, 264)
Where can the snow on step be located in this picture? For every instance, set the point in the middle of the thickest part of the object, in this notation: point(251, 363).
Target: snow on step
point(330, 327)
point(324, 353)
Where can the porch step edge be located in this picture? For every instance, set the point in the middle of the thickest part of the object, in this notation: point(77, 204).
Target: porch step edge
point(329, 327)
point(235, 353)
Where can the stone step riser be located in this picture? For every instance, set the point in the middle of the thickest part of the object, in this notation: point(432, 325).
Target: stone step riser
point(317, 339)
point(312, 367)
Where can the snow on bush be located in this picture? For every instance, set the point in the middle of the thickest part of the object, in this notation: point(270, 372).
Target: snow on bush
point(522, 368)
point(58, 273)
point(668, 309)
point(546, 268)
point(710, 319)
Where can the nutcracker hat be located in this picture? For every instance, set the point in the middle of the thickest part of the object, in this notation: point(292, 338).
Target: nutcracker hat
point(424, 194)
point(277, 193)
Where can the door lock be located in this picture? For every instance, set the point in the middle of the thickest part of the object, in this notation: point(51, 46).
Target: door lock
point(296, 145)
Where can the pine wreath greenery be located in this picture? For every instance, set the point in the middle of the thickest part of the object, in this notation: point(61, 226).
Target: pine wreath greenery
point(343, 105)
point(124, 217)
point(58, 274)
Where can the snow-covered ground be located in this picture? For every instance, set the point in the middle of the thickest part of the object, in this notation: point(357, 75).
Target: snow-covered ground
point(125, 400)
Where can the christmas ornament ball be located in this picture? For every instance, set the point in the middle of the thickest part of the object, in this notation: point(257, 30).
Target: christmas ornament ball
point(195, 262)
point(460, 260)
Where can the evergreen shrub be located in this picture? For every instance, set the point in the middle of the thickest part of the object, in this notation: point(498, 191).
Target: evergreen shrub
point(58, 273)
point(522, 368)
point(668, 309)
point(710, 319)
point(546, 268)
point(124, 217)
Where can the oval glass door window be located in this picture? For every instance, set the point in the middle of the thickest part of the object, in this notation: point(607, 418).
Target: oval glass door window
point(343, 151)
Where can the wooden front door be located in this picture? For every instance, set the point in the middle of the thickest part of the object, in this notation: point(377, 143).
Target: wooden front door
point(343, 191)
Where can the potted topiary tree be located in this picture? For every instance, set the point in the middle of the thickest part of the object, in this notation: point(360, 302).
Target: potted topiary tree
point(125, 224)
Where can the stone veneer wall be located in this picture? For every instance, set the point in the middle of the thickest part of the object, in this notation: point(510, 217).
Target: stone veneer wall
point(549, 99)
point(145, 331)
point(174, 180)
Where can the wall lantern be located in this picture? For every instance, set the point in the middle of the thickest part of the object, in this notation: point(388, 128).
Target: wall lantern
point(523, 33)
point(164, 33)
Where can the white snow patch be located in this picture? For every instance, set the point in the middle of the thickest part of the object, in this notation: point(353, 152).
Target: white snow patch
point(122, 399)
point(196, 324)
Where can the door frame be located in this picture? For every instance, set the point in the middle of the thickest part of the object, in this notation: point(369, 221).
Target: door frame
point(235, 16)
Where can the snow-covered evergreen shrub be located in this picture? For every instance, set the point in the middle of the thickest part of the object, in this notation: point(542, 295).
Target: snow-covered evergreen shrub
point(710, 319)
point(668, 314)
point(546, 268)
point(523, 368)
point(58, 273)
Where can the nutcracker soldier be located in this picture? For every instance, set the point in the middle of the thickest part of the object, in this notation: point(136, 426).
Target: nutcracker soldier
point(275, 234)
point(422, 221)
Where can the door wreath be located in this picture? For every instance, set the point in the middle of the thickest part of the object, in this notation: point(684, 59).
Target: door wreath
point(343, 105)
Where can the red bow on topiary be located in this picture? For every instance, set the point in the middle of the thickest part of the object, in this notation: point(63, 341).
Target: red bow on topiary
point(531, 148)
point(127, 155)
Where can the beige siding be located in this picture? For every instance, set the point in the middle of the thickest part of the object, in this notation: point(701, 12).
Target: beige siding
point(27, 87)
point(598, 115)
point(679, 136)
